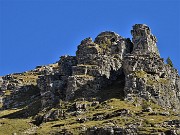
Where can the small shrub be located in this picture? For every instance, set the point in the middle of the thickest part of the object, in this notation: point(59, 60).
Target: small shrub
point(145, 104)
point(169, 62)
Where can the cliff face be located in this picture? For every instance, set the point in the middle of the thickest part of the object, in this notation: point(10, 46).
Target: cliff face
point(98, 64)
point(112, 86)
point(147, 76)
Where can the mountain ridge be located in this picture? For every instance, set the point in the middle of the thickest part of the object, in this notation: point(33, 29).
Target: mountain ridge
point(112, 86)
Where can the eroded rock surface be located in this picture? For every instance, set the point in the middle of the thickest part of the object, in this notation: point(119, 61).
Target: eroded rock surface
point(112, 86)
point(98, 63)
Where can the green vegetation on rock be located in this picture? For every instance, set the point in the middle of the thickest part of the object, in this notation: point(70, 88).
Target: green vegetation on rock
point(169, 62)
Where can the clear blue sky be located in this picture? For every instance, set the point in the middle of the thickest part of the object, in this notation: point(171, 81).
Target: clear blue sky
point(38, 32)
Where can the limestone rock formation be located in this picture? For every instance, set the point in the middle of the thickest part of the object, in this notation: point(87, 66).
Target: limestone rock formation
point(95, 65)
point(147, 76)
point(144, 41)
point(98, 64)
point(112, 86)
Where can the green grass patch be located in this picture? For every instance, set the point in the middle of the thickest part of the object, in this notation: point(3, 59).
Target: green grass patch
point(140, 74)
point(10, 126)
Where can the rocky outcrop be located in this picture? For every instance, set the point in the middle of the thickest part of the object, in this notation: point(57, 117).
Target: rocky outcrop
point(98, 63)
point(20, 89)
point(112, 86)
point(15, 85)
point(111, 131)
point(124, 131)
point(143, 40)
point(147, 76)
point(95, 65)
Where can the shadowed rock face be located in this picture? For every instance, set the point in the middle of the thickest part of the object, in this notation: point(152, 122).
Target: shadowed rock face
point(97, 64)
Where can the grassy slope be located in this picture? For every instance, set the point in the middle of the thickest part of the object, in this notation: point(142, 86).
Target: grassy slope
point(9, 126)
point(108, 107)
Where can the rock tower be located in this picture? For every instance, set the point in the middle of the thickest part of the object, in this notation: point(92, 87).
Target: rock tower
point(147, 76)
point(144, 41)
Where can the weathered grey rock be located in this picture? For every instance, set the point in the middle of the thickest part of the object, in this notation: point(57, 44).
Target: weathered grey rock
point(100, 62)
point(52, 115)
point(65, 65)
point(143, 40)
point(109, 130)
point(147, 76)
point(136, 68)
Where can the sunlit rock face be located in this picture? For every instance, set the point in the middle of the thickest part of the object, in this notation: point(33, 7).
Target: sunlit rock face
point(99, 63)
point(147, 76)
point(144, 41)
point(111, 86)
